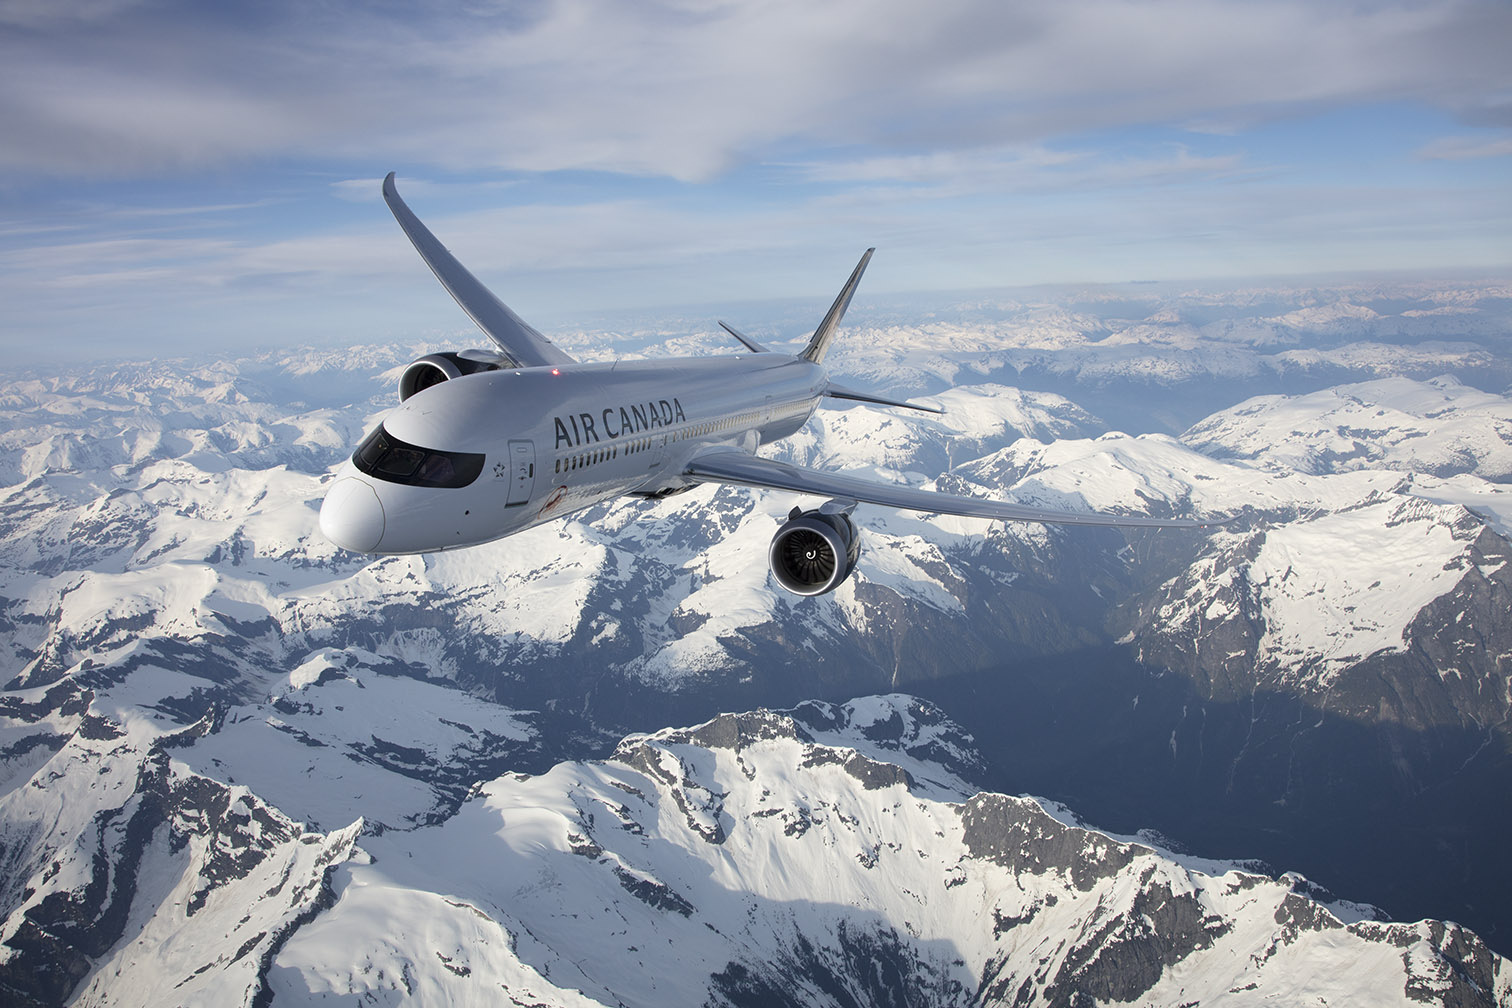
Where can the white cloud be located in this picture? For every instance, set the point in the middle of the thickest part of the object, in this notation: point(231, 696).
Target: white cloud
point(976, 142)
point(1463, 148)
point(950, 174)
point(688, 89)
point(51, 13)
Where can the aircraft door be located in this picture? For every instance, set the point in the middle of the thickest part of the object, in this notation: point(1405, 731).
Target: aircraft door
point(521, 472)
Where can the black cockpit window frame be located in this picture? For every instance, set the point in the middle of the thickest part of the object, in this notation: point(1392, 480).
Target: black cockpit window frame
point(385, 457)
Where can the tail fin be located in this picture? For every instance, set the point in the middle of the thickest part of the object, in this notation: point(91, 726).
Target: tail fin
point(819, 345)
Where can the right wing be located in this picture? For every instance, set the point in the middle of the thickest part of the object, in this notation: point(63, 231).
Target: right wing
point(521, 343)
point(745, 469)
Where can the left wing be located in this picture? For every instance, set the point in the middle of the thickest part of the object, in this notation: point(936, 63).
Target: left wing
point(744, 469)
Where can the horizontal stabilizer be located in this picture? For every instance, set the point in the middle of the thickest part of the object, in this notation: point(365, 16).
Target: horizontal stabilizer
point(750, 344)
point(840, 392)
point(518, 340)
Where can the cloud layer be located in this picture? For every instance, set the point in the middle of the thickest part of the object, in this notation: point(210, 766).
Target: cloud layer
point(690, 88)
point(172, 167)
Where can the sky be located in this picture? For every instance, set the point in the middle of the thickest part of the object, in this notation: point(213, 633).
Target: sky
point(179, 177)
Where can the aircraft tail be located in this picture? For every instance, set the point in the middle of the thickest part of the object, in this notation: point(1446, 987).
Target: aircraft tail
point(819, 345)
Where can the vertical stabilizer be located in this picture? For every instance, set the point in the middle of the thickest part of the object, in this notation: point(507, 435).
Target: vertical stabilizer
point(819, 345)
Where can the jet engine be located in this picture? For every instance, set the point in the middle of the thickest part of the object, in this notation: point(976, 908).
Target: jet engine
point(433, 369)
point(814, 551)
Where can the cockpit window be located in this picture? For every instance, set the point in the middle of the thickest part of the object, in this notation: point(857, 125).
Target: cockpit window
point(385, 457)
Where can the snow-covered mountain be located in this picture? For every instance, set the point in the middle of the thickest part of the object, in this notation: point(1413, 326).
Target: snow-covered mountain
point(1439, 427)
point(213, 721)
point(1159, 357)
point(831, 855)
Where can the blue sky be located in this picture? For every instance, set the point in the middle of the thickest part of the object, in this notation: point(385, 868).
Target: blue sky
point(188, 176)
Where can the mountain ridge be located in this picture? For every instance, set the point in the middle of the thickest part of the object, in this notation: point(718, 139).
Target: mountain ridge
point(185, 658)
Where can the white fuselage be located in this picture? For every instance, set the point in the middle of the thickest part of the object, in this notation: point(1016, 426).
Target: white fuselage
point(555, 440)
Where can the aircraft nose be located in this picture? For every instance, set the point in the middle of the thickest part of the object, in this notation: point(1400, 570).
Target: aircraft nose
point(352, 516)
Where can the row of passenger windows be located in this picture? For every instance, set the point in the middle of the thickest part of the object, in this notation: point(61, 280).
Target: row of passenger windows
point(582, 460)
point(714, 426)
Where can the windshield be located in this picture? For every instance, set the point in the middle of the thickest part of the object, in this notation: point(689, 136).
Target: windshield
point(385, 457)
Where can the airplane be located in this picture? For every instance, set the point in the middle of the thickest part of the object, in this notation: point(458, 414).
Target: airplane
point(488, 443)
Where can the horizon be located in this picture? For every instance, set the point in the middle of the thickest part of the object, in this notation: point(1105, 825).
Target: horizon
point(791, 319)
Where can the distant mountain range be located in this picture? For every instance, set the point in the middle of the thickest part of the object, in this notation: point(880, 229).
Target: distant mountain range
point(239, 765)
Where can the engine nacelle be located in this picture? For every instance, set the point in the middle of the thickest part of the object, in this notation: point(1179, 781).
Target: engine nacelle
point(433, 369)
point(814, 551)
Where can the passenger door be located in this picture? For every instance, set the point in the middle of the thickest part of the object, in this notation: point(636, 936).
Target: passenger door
point(521, 472)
